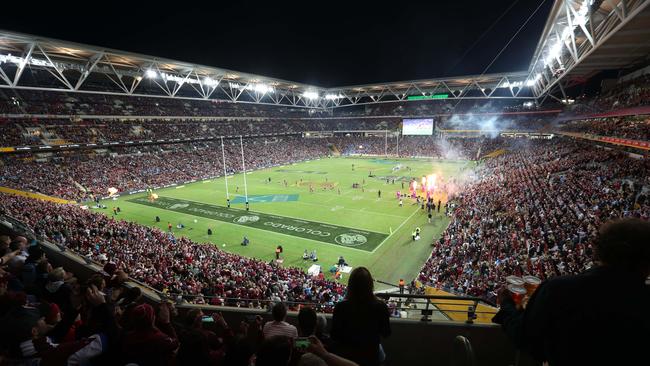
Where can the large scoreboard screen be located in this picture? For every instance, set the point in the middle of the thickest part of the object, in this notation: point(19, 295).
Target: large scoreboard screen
point(422, 127)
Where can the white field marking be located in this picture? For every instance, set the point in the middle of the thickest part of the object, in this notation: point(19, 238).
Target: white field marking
point(396, 230)
point(332, 196)
point(298, 218)
point(206, 181)
point(323, 206)
point(351, 209)
point(180, 187)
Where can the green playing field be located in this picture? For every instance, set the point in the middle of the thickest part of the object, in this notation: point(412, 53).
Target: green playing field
point(307, 206)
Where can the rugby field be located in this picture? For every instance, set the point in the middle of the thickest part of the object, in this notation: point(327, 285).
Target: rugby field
point(310, 205)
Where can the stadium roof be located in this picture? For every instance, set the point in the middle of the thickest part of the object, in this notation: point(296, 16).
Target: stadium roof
point(56, 65)
point(582, 37)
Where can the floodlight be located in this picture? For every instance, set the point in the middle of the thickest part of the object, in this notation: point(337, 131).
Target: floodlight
point(333, 96)
point(531, 82)
point(581, 17)
point(310, 95)
point(553, 52)
point(210, 81)
point(262, 88)
point(151, 74)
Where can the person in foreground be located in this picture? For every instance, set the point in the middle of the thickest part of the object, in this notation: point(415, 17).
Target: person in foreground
point(360, 321)
point(594, 318)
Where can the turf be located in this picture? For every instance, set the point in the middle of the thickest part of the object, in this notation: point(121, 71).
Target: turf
point(317, 209)
point(315, 231)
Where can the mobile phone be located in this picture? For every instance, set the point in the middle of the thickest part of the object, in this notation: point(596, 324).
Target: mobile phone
point(207, 319)
point(301, 342)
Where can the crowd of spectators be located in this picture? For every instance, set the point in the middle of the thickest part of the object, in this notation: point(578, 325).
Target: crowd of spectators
point(49, 316)
point(153, 118)
point(631, 127)
point(93, 131)
point(631, 93)
point(534, 211)
point(419, 146)
point(84, 174)
point(169, 264)
point(16, 134)
point(492, 125)
point(434, 107)
point(77, 175)
point(60, 103)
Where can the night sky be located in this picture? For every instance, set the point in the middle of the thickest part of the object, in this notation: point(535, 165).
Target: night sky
point(320, 43)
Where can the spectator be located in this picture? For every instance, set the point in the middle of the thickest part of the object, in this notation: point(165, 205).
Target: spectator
point(569, 321)
point(199, 346)
point(274, 351)
point(360, 321)
point(153, 339)
point(307, 321)
point(317, 355)
point(58, 291)
point(279, 327)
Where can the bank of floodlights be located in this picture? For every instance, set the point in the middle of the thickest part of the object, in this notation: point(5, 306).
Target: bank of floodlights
point(333, 96)
point(208, 81)
point(151, 74)
point(310, 95)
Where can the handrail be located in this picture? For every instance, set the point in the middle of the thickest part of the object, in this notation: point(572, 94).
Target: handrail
point(434, 297)
point(472, 309)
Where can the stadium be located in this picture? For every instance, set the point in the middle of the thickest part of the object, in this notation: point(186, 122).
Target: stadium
point(156, 211)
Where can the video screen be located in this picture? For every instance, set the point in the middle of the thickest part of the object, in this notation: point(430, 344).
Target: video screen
point(423, 126)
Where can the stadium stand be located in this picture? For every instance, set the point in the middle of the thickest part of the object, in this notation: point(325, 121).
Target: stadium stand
point(534, 211)
point(82, 288)
point(631, 127)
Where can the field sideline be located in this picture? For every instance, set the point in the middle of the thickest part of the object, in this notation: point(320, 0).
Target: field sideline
point(335, 219)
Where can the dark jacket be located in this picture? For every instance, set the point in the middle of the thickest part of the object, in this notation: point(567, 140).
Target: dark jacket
point(357, 330)
point(594, 318)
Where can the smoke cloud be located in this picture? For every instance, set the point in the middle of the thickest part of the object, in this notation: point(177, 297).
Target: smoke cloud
point(490, 126)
